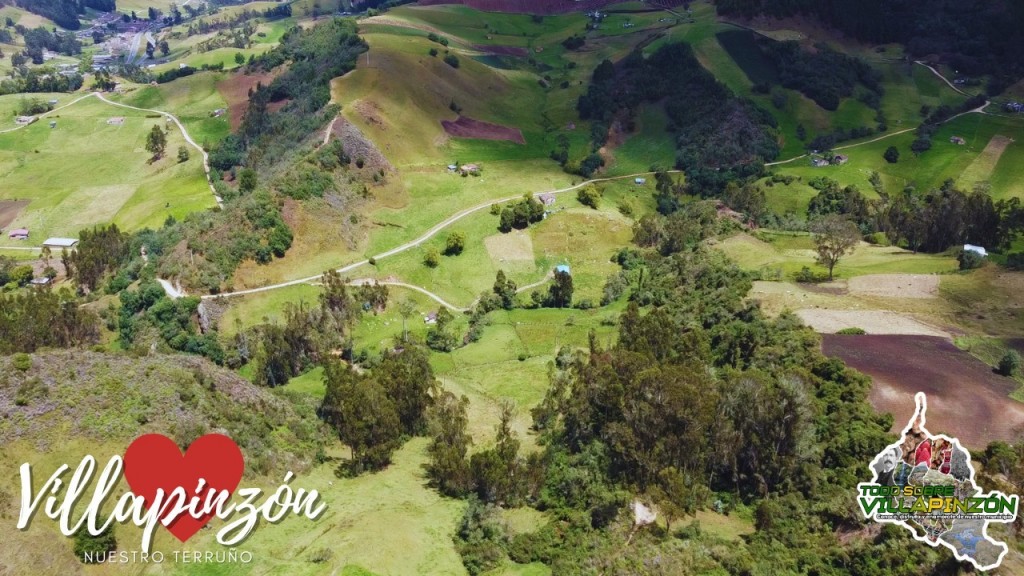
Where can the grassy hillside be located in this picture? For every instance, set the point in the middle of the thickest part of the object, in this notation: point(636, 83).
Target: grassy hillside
point(86, 171)
point(967, 164)
point(103, 401)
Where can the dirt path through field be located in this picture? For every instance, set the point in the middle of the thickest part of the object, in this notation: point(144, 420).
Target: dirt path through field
point(982, 167)
point(871, 321)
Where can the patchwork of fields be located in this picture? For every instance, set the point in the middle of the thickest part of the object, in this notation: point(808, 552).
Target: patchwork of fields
point(505, 106)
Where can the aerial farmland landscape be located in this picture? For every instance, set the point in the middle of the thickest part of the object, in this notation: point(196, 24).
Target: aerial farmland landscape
point(511, 287)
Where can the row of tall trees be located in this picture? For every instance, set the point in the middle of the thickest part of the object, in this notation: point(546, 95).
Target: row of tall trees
point(39, 318)
point(930, 221)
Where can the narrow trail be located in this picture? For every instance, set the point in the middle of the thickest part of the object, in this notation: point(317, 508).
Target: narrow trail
point(184, 133)
point(425, 236)
point(330, 130)
point(944, 79)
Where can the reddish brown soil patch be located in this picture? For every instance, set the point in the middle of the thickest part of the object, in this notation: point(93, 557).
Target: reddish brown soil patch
point(503, 50)
point(537, 6)
point(275, 106)
point(468, 128)
point(965, 398)
point(9, 210)
point(235, 91)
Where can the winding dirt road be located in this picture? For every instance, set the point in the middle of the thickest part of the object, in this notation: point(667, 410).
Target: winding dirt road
point(423, 238)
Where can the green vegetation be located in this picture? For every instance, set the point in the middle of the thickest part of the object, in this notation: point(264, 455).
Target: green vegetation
point(513, 439)
point(74, 184)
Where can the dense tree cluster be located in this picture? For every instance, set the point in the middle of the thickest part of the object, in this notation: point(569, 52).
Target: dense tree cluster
point(217, 241)
point(929, 221)
point(719, 136)
point(373, 411)
point(148, 316)
point(519, 215)
point(974, 36)
point(824, 75)
point(99, 252)
point(40, 79)
point(315, 56)
point(308, 335)
point(34, 319)
point(39, 39)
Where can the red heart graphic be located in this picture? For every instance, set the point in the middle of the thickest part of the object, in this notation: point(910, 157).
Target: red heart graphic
point(154, 461)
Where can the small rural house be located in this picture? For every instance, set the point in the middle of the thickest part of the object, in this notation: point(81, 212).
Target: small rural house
point(562, 269)
point(640, 181)
point(40, 281)
point(24, 120)
point(546, 198)
point(60, 243)
point(1015, 107)
point(957, 140)
point(470, 169)
point(53, 123)
point(839, 159)
point(819, 162)
point(453, 167)
point(116, 120)
point(18, 234)
point(430, 318)
point(976, 249)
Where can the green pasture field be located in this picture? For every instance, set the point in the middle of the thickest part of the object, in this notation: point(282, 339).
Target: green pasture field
point(789, 252)
point(581, 237)
point(25, 18)
point(85, 172)
point(409, 524)
point(925, 171)
point(225, 56)
point(191, 99)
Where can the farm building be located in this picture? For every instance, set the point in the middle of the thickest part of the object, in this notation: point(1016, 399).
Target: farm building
point(53, 123)
point(60, 243)
point(18, 234)
point(470, 169)
point(116, 120)
point(1015, 107)
point(840, 159)
point(640, 181)
point(546, 198)
point(24, 120)
point(976, 249)
point(430, 318)
point(957, 140)
point(453, 167)
point(819, 162)
point(40, 281)
point(562, 269)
